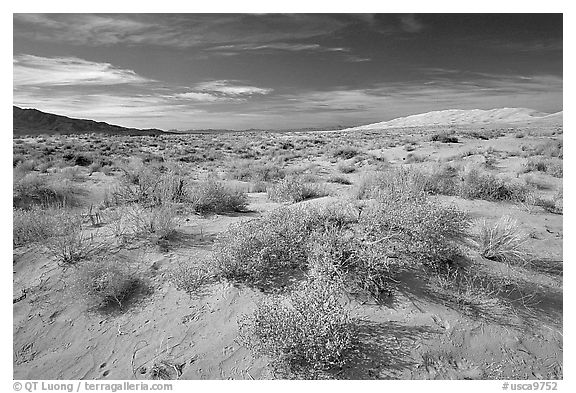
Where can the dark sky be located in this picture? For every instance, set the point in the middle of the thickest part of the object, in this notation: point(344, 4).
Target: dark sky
point(241, 71)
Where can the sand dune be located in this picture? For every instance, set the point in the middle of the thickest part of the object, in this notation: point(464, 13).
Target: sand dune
point(463, 117)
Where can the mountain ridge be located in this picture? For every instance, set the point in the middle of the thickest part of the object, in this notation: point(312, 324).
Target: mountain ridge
point(30, 121)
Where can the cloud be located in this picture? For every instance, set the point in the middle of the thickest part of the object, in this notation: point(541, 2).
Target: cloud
point(411, 24)
point(175, 30)
point(228, 88)
point(32, 70)
point(277, 46)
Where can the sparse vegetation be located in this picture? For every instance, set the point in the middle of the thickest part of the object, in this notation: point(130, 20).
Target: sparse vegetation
point(502, 241)
point(107, 281)
point(306, 333)
point(292, 190)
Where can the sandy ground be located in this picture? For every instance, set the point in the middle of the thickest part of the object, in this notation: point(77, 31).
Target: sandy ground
point(418, 335)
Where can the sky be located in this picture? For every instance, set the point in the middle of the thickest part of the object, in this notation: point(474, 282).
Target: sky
point(282, 71)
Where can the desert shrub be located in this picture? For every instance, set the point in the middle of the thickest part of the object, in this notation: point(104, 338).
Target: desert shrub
point(214, 197)
point(159, 222)
point(33, 225)
point(44, 190)
point(345, 168)
point(343, 254)
point(305, 333)
point(414, 158)
point(191, 277)
point(550, 166)
point(293, 189)
point(552, 205)
point(535, 182)
point(345, 152)
point(149, 185)
point(444, 138)
point(255, 171)
point(398, 181)
point(441, 180)
point(502, 241)
point(479, 185)
point(107, 281)
point(415, 229)
point(69, 242)
point(339, 179)
point(552, 148)
point(254, 250)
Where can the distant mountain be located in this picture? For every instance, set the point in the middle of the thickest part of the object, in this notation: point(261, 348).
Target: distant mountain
point(34, 122)
point(467, 117)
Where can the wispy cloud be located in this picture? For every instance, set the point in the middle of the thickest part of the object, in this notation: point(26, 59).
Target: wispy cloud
point(67, 71)
point(173, 30)
point(276, 46)
point(230, 88)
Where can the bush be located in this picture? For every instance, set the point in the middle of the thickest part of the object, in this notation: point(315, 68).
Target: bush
point(256, 172)
point(33, 225)
point(339, 179)
point(292, 190)
point(444, 138)
point(136, 220)
point(214, 197)
point(502, 241)
point(415, 229)
point(44, 190)
point(150, 186)
point(346, 152)
point(478, 185)
point(107, 282)
point(345, 168)
point(306, 333)
point(553, 167)
point(70, 242)
point(191, 277)
point(255, 250)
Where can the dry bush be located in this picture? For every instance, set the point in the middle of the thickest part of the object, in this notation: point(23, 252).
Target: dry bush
point(346, 152)
point(107, 282)
point(552, 148)
point(256, 172)
point(343, 254)
point(158, 221)
point(293, 189)
point(214, 197)
point(339, 179)
point(398, 181)
point(45, 190)
point(148, 185)
point(33, 225)
point(345, 168)
point(482, 185)
point(444, 137)
point(415, 229)
point(502, 241)
point(551, 166)
point(305, 333)
point(70, 242)
point(254, 250)
point(190, 277)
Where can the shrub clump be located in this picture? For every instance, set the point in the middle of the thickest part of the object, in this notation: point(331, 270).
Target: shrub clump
point(44, 190)
point(502, 241)
point(214, 197)
point(551, 166)
point(478, 185)
point(107, 282)
point(254, 250)
point(306, 333)
point(292, 190)
point(444, 138)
